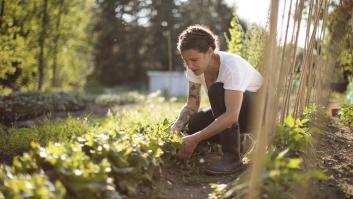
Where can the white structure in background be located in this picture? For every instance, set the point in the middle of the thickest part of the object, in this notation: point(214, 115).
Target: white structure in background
point(171, 83)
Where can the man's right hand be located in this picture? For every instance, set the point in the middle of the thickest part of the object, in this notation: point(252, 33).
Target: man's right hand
point(174, 128)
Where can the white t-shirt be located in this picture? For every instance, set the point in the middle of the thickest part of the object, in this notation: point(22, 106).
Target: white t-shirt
point(234, 72)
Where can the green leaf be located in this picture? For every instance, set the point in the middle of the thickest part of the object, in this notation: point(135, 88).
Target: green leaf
point(319, 174)
point(289, 121)
point(283, 153)
point(294, 163)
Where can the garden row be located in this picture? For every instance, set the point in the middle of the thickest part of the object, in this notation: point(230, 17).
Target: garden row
point(22, 106)
point(287, 171)
point(105, 164)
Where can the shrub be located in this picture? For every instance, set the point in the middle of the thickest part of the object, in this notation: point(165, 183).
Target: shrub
point(20, 106)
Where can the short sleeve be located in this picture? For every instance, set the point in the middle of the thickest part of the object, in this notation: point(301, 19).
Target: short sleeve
point(236, 79)
point(192, 77)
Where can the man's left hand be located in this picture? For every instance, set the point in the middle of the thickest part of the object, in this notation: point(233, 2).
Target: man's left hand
point(189, 144)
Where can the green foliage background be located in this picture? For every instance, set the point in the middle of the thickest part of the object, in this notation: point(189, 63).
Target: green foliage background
point(66, 43)
point(248, 42)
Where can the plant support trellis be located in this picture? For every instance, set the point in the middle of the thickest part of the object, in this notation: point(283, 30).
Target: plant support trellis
point(277, 98)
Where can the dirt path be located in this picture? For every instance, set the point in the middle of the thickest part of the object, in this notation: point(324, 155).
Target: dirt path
point(187, 180)
point(335, 156)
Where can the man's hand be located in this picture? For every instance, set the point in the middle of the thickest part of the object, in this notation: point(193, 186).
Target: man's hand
point(189, 144)
point(174, 128)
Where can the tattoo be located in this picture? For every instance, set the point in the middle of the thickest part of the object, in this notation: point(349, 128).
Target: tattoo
point(193, 87)
point(184, 117)
point(198, 100)
point(190, 108)
point(194, 93)
point(193, 96)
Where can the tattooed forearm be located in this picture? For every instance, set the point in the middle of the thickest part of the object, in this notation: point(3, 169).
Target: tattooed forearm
point(194, 94)
point(190, 108)
point(183, 118)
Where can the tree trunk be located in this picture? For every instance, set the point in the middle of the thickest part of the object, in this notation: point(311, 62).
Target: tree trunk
point(2, 9)
point(56, 44)
point(41, 42)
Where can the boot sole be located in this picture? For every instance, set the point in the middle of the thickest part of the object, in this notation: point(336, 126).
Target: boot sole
point(240, 168)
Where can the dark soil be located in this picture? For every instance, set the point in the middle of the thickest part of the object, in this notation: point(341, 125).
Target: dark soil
point(335, 156)
point(187, 180)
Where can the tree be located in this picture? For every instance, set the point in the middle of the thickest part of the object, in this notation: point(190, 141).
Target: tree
point(162, 31)
point(236, 40)
point(340, 39)
point(254, 45)
point(56, 38)
point(119, 50)
point(41, 42)
point(134, 36)
point(38, 34)
point(69, 59)
point(247, 42)
point(16, 52)
point(215, 14)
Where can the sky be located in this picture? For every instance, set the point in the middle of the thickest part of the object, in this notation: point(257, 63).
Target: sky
point(253, 11)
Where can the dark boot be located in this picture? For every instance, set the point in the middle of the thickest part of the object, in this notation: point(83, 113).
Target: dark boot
point(229, 138)
point(231, 161)
point(226, 165)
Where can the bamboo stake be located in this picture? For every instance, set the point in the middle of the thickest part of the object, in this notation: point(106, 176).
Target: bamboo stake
point(288, 79)
point(320, 84)
point(284, 66)
point(263, 106)
point(303, 88)
point(318, 61)
point(267, 106)
point(303, 67)
point(297, 19)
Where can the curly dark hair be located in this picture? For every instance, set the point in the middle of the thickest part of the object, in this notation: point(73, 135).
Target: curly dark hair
point(197, 37)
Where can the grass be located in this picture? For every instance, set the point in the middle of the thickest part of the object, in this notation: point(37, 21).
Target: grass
point(16, 140)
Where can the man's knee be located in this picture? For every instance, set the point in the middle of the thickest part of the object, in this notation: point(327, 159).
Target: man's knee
point(193, 125)
point(200, 120)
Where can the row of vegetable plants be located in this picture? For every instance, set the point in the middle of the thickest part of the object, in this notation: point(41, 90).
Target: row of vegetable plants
point(107, 164)
point(107, 157)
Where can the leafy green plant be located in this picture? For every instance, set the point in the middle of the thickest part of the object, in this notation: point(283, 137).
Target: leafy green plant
point(104, 163)
point(36, 186)
point(70, 166)
point(294, 135)
point(346, 115)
